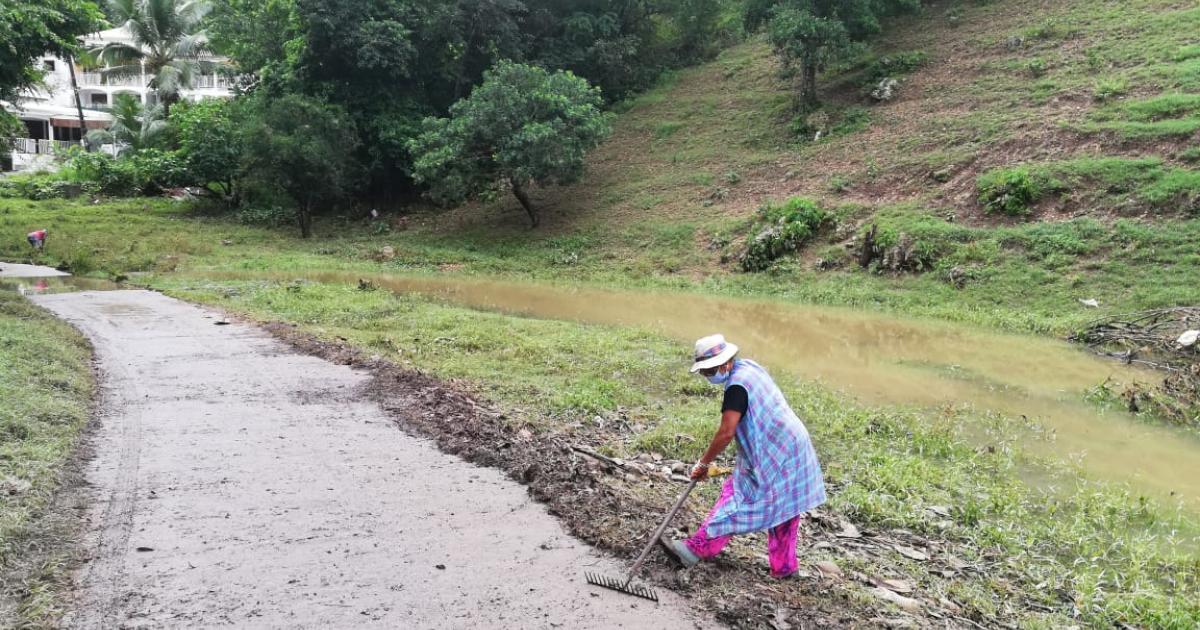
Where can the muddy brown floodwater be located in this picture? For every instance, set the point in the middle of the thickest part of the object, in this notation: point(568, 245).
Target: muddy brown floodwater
point(878, 359)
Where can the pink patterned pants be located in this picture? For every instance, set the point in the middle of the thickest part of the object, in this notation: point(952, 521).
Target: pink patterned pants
point(781, 539)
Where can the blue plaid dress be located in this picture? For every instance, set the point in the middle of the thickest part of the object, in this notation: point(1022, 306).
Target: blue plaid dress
point(777, 476)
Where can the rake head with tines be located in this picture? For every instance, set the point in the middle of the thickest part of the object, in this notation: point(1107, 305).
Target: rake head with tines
point(625, 587)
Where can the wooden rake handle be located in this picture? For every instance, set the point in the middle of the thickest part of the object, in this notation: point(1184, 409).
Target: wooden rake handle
point(658, 532)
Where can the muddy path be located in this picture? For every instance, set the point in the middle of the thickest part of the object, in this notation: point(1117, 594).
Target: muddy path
point(237, 482)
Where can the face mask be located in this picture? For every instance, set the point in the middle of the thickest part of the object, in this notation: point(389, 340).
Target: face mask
point(718, 378)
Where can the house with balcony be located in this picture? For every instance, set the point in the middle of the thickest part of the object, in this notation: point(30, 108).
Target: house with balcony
point(50, 115)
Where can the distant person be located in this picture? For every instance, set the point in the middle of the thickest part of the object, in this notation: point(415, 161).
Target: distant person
point(37, 239)
point(777, 477)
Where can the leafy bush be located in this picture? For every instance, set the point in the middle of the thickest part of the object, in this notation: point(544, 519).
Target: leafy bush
point(893, 66)
point(210, 141)
point(1011, 191)
point(1037, 67)
point(786, 228)
point(146, 172)
point(1110, 88)
point(40, 186)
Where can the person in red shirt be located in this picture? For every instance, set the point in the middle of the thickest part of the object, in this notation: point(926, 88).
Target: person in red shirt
point(37, 239)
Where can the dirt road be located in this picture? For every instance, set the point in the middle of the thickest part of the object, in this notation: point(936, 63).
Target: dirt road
point(238, 483)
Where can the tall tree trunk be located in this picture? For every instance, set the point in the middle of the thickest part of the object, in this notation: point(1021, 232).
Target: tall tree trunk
point(304, 217)
point(78, 104)
point(521, 195)
point(808, 86)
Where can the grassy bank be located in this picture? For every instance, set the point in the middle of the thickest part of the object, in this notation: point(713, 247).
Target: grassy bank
point(45, 396)
point(1038, 559)
point(1126, 264)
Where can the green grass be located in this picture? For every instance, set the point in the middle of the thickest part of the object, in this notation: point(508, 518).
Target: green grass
point(1126, 264)
point(1108, 181)
point(887, 465)
point(45, 390)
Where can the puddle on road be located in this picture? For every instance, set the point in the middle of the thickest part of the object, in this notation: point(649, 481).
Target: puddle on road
point(55, 284)
point(878, 359)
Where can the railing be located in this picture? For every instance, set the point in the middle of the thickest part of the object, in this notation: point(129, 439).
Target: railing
point(40, 147)
point(99, 78)
point(212, 81)
point(199, 82)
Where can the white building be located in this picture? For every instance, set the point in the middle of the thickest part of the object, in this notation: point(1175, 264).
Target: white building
point(52, 120)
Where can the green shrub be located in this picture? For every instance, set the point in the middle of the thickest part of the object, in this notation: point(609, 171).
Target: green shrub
point(1037, 67)
point(146, 172)
point(41, 186)
point(1011, 191)
point(782, 230)
point(893, 66)
point(1110, 88)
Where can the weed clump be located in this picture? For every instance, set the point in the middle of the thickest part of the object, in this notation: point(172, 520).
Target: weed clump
point(1012, 191)
point(783, 230)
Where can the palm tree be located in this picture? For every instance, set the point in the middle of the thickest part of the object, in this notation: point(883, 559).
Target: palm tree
point(167, 44)
point(133, 127)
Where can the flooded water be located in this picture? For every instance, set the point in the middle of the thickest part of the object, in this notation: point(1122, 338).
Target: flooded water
point(880, 359)
point(33, 285)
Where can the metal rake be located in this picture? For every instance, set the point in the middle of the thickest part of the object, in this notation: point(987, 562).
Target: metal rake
point(626, 586)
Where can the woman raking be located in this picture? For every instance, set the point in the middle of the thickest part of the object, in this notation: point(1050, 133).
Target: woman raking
point(777, 477)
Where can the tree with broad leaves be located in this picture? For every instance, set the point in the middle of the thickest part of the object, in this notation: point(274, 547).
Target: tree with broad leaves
point(303, 149)
point(168, 43)
point(523, 125)
point(30, 29)
point(808, 35)
point(134, 126)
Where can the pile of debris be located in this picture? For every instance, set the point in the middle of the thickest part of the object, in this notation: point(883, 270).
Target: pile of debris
point(1165, 339)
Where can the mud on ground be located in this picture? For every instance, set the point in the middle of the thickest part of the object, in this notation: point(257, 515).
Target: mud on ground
point(613, 509)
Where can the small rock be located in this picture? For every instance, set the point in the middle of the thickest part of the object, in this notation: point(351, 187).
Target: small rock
point(829, 569)
point(1014, 43)
point(885, 90)
point(440, 567)
point(956, 563)
point(906, 604)
point(145, 548)
point(942, 175)
point(940, 510)
point(849, 531)
point(894, 585)
point(909, 552)
point(1188, 339)
point(779, 620)
point(679, 468)
point(949, 606)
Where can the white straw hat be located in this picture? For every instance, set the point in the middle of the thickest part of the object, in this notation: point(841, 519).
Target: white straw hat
point(712, 351)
